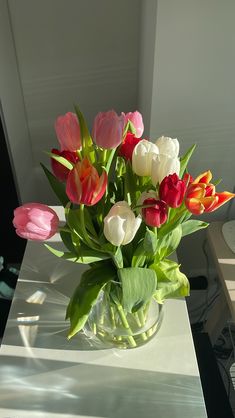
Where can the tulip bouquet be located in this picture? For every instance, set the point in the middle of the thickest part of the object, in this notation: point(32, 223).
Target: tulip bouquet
point(127, 202)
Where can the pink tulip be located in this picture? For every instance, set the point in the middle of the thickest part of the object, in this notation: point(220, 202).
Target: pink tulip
point(137, 120)
point(35, 221)
point(68, 132)
point(108, 129)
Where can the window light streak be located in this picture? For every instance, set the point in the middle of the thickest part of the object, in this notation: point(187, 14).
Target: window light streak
point(28, 319)
point(37, 297)
point(227, 261)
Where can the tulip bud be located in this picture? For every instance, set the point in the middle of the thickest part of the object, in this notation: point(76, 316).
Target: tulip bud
point(68, 132)
point(168, 146)
point(120, 224)
point(128, 145)
point(142, 157)
point(84, 184)
point(35, 221)
point(59, 170)
point(162, 166)
point(156, 214)
point(172, 190)
point(136, 119)
point(108, 129)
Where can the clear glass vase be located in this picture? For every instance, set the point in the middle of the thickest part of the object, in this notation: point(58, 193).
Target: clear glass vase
point(109, 322)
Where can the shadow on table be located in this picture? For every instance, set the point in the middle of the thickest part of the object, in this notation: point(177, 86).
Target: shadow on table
point(51, 386)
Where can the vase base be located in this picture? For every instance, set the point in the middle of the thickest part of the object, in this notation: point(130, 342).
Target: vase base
point(139, 331)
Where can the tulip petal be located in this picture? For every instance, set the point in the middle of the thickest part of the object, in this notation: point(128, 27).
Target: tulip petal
point(101, 187)
point(196, 191)
point(210, 190)
point(114, 229)
point(221, 199)
point(209, 202)
point(194, 206)
point(204, 177)
point(73, 186)
point(132, 228)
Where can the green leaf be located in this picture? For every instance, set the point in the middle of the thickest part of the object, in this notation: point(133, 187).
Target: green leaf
point(150, 242)
point(174, 222)
point(139, 257)
point(72, 219)
point(67, 240)
point(138, 286)
point(88, 148)
point(185, 159)
point(61, 160)
point(171, 283)
point(169, 243)
point(191, 226)
point(86, 294)
point(89, 222)
point(57, 186)
point(86, 255)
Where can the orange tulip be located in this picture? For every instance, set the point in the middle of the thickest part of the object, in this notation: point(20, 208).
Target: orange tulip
point(201, 195)
point(84, 186)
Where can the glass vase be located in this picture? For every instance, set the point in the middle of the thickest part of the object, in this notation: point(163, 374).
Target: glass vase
point(111, 324)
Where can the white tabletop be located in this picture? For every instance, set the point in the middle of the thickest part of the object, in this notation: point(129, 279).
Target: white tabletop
point(44, 375)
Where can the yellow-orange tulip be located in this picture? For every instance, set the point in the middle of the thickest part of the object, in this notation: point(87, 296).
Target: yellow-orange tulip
point(201, 195)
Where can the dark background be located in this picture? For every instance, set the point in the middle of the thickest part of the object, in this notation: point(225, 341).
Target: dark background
point(11, 246)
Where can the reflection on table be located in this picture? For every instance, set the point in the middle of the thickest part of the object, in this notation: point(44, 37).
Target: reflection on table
point(42, 374)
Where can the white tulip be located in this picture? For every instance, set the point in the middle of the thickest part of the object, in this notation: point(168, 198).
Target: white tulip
point(142, 157)
point(162, 166)
point(168, 146)
point(120, 224)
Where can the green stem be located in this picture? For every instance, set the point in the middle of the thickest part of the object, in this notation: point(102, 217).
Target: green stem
point(142, 317)
point(126, 325)
point(83, 226)
point(104, 155)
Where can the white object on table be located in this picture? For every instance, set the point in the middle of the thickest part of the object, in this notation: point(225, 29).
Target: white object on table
point(44, 375)
point(224, 307)
point(228, 231)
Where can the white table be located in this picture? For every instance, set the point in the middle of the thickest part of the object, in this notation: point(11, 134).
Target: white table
point(44, 375)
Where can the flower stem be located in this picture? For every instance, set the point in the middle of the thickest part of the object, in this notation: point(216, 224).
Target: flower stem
point(83, 226)
point(126, 325)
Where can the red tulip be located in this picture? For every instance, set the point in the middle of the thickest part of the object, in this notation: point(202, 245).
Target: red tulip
point(68, 132)
point(156, 214)
point(59, 170)
point(84, 184)
point(201, 195)
point(128, 146)
point(172, 190)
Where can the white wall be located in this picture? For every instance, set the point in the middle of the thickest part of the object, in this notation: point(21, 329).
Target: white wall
point(194, 93)
point(176, 57)
point(12, 112)
point(73, 51)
